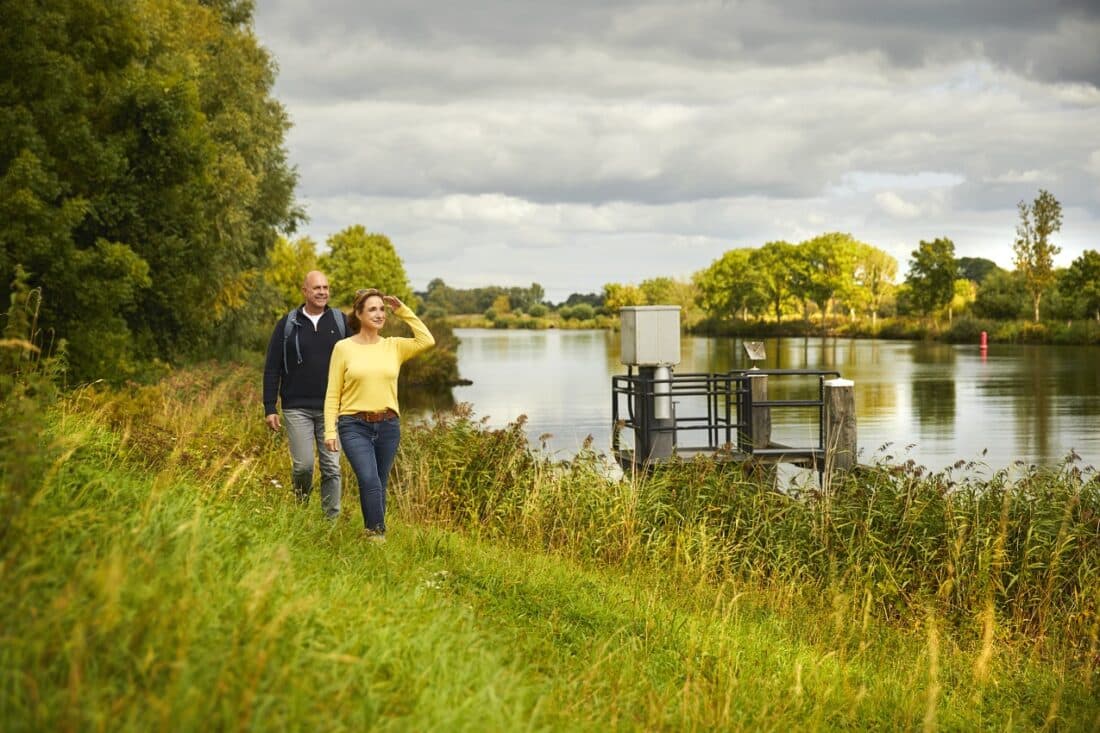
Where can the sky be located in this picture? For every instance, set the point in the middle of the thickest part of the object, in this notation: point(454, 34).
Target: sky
point(575, 143)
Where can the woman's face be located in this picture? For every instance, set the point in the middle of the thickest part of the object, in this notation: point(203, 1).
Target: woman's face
point(373, 313)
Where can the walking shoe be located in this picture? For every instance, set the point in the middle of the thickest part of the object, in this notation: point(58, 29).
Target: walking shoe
point(376, 538)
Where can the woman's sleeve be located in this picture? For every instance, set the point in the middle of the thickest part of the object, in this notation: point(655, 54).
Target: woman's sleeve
point(422, 339)
point(333, 391)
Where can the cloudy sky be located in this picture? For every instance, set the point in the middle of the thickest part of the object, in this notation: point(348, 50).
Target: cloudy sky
point(574, 143)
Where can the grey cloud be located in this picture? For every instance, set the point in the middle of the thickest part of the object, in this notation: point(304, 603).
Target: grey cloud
point(499, 140)
point(1049, 42)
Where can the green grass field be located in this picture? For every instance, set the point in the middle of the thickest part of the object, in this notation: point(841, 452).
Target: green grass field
point(158, 576)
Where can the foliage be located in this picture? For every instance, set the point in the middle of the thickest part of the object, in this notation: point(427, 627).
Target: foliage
point(830, 261)
point(1080, 284)
point(874, 278)
point(358, 259)
point(1002, 295)
point(454, 301)
point(774, 263)
point(932, 274)
point(1034, 250)
point(963, 294)
point(976, 269)
point(617, 295)
point(593, 299)
point(287, 265)
point(579, 312)
point(142, 173)
point(729, 285)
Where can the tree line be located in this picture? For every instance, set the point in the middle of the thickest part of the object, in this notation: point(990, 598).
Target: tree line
point(833, 277)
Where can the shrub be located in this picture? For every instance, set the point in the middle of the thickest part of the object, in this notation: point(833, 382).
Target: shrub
point(583, 312)
point(969, 330)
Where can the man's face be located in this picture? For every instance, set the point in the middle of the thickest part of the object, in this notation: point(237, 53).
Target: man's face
point(315, 291)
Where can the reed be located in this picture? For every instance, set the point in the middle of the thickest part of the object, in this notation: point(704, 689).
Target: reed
point(1022, 542)
point(158, 575)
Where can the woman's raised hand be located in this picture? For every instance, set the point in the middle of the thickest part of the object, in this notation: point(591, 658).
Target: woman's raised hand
point(392, 301)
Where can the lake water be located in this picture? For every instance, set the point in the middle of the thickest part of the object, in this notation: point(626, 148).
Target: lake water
point(933, 403)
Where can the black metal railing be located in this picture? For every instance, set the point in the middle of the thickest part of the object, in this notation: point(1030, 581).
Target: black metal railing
point(718, 407)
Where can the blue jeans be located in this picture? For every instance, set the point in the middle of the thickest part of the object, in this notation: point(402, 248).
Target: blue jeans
point(371, 448)
point(305, 431)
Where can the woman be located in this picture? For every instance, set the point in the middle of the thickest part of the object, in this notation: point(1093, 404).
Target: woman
point(361, 401)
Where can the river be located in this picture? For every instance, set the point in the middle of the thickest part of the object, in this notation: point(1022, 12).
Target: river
point(932, 403)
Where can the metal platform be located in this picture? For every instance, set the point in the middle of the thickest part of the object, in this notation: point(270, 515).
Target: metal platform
point(726, 417)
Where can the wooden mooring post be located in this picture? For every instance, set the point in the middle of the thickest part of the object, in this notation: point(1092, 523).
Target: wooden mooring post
point(761, 425)
point(840, 425)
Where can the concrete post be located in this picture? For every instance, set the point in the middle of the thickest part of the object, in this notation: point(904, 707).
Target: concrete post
point(840, 424)
point(655, 437)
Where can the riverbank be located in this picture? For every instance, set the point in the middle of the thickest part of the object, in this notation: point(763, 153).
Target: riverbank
point(158, 574)
point(962, 330)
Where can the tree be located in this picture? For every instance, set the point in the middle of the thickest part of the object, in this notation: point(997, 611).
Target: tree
point(617, 295)
point(521, 299)
point(831, 262)
point(593, 299)
point(143, 177)
point(659, 291)
point(729, 285)
point(358, 259)
point(1002, 296)
point(774, 263)
point(286, 269)
point(874, 277)
point(932, 274)
point(976, 269)
point(1080, 283)
point(1034, 250)
point(964, 293)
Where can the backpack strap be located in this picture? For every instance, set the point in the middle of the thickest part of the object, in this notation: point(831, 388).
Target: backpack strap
point(291, 326)
point(341, 322)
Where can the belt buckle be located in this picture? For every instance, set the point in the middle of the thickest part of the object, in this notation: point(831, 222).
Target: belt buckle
point(379, 416)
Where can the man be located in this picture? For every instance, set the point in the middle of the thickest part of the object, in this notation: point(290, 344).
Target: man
point(296, 372)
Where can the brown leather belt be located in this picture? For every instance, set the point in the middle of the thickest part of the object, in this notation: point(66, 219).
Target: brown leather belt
point(376, 416)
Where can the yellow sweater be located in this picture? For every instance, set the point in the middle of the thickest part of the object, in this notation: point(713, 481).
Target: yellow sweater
point(363, 377)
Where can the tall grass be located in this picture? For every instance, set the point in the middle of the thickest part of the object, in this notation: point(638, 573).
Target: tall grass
point(1024, 542)
point(159, 575)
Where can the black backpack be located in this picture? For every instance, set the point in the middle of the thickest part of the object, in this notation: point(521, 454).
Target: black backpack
point(292, 323)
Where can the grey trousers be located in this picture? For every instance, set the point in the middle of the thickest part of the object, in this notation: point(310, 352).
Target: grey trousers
point(305, 431)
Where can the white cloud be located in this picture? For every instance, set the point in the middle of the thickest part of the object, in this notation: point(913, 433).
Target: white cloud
point(1093, 165)
point(1015, 176)
point(895, 205)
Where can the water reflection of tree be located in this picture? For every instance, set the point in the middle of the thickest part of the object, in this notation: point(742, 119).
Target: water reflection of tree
point(422, 399)
point(1038, 372)
point(935, 354)
point(934, 404)
point(876, 398)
